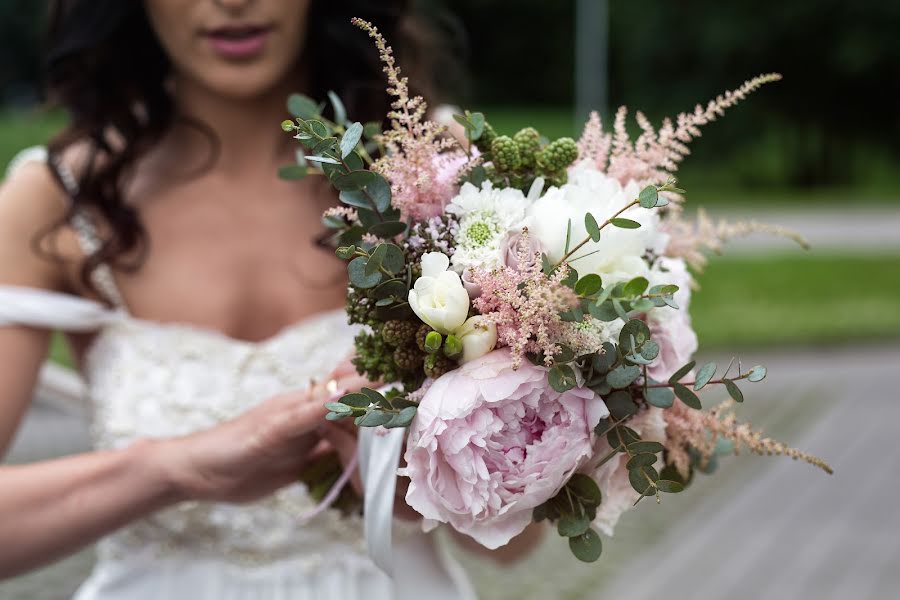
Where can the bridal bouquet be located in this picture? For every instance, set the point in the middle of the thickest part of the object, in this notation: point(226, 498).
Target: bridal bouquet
point(527, 300)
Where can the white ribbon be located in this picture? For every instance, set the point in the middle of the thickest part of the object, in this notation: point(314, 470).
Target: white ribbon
point(379, 458)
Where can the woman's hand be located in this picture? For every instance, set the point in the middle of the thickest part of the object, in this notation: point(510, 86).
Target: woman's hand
point(255, 454)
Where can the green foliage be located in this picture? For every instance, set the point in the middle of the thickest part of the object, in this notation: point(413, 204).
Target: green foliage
point(371, 408)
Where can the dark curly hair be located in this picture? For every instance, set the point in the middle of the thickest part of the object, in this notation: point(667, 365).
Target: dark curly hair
point(105, 66)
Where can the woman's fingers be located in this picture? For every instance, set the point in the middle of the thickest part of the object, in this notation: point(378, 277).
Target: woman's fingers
point(345, 445)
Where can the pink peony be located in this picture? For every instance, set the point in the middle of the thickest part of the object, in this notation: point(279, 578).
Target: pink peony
point(490, 443)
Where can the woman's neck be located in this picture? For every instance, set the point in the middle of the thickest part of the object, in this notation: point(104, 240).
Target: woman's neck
point(248, 132)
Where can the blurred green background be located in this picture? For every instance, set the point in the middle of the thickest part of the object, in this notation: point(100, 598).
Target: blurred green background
point(823, 141)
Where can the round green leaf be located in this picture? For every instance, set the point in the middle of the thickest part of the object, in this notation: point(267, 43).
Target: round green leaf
point(388, 229)
point(623, 376)
point(648, 196)
point(338, 407)
point(562, 378)
point(676, 377)
point(585, 488)
point(620, 405)
point(642, 479)
point(636, 287)
point(356, 400)
point(379, 190)
point(570, 525)
point(354, 181)
point(357, 273)
point(589, 285)
point(586, 547)
point(661, 397)
point(705, 373)
point(393, 258)
point(403, 418)
point(757, 373)
point(302, 106)
point(645, 446)
point(641, 460)
point(633, 335)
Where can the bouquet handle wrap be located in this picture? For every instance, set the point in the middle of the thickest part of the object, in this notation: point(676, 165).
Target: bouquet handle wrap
point(379, 458)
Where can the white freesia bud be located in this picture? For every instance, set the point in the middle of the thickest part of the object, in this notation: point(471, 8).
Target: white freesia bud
point(478, 335)
point(438, 296)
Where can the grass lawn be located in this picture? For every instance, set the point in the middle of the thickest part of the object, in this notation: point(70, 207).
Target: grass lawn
point(797, 299)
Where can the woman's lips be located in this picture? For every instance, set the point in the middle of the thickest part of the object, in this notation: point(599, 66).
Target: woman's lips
point(238, 42)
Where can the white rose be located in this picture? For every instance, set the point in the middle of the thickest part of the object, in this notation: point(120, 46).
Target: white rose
point(478, 336)
point(438, 296)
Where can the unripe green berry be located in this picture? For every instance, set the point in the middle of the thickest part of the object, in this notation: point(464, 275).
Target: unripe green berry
point(529, 142)
point(505, 154)
point(287, 125)
point(488, 135)
point(558, 155)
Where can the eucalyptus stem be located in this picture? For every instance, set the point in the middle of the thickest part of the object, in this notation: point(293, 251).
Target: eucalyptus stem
point(690, 383)
point(600, 228)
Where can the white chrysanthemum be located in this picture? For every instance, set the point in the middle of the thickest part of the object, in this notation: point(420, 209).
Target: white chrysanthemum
point(485, 217)
point(619, 254)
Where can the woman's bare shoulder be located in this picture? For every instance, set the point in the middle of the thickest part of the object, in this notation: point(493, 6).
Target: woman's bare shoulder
point(32, 202)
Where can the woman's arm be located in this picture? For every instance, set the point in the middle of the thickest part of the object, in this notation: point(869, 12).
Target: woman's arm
point(52, 508)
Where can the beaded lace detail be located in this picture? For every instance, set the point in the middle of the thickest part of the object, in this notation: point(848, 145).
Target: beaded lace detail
point(150, 379)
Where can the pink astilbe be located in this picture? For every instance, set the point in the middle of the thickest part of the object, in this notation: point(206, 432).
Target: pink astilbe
point(690, 238)
point(654, 156)
point(689, 428)
point(421, 163)
point(524, 304)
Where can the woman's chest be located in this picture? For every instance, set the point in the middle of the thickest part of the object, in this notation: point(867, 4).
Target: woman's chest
point(240, 261)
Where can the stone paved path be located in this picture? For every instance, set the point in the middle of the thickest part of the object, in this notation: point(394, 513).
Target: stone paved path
point(762, 528)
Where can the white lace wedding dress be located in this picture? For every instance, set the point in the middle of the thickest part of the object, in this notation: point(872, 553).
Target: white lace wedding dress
point(150, 379)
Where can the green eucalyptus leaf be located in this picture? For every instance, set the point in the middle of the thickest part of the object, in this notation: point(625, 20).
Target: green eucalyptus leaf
point(325, 160)
point(648, 196)
point(354, 181)
point(379, 190)
point(624, 223)
point(650, 350)
point(661, 397)
point(394, 260)
point(318, 128)
point(623, 376)
point(302, 107)
point(403, 418)
point(338, 407)
point(589, 285)
point(562, 378)
point(734, 391)
point(323, 146)
point(358, 276)
point(644, 304)
point(373, 265)
point(636, 287)
point(620, 436)
point(340, 113)
point(585, 488)
point(641, 460)
point(680, 373)
point(388, 229)
point(757, 373)
point(669, 486)
point(643, 480)
point(586, 547)
point(351, 138)
point(333, 416)
point(603, 311)
point(603, 361)
point(292, 172)
point(633, 336)
point(590, 224)
point(355, 199)
point(687, 396)
point(572, 525)
point(645, 446)
point(620, 405)
point(705, 373)
point(373, 419)
point(356, 400)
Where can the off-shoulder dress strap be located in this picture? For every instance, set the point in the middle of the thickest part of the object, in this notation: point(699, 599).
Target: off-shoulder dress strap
point(84, 226)
point(45, 309)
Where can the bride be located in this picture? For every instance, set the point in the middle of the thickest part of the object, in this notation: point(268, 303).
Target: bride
point(205, 317)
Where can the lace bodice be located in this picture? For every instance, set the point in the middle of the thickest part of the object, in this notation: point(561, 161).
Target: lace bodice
point(150, 379)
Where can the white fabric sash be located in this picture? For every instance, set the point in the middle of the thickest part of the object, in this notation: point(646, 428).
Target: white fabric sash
point(379, 457)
